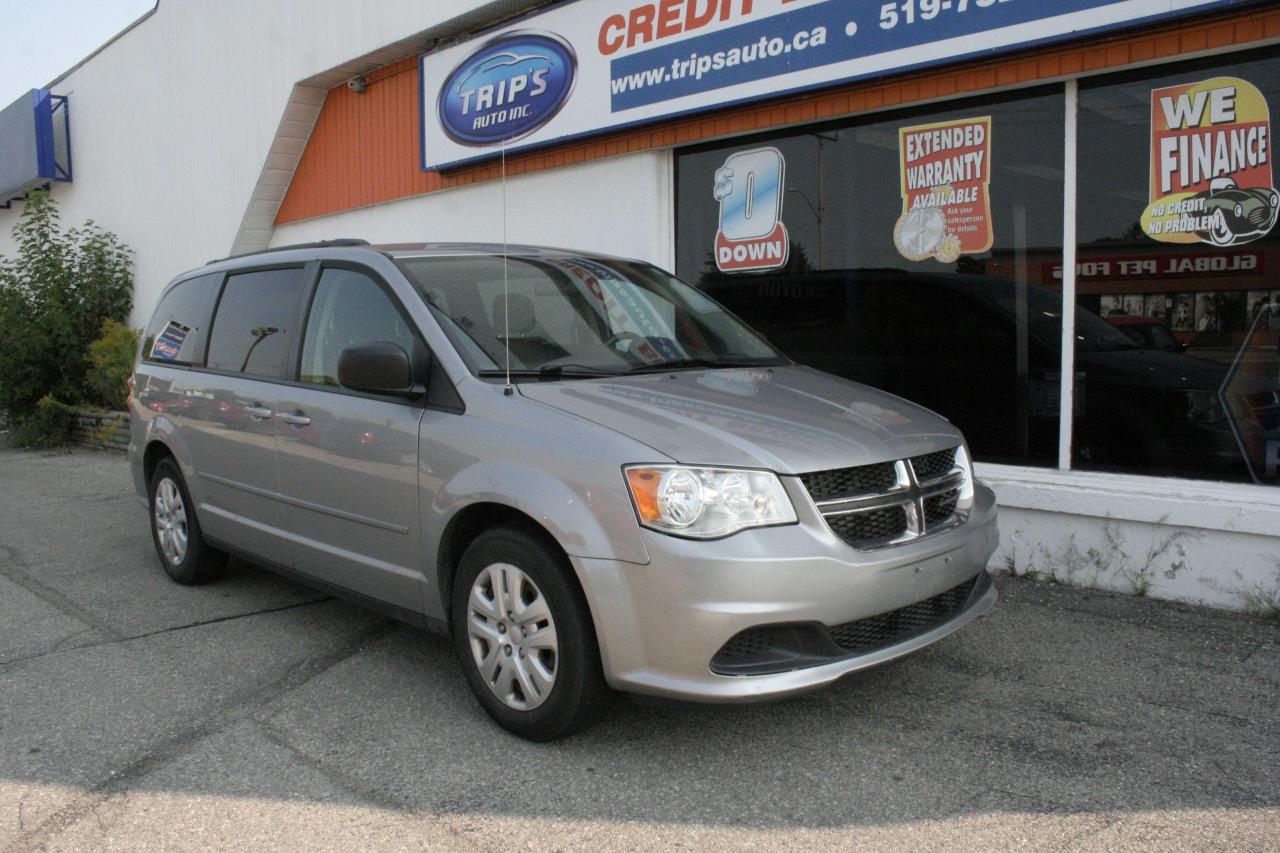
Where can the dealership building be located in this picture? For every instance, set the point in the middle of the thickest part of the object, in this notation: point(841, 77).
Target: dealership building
point(905, 194)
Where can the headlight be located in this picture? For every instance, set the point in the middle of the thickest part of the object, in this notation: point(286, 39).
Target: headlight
point(1239, 210)
point(706, 503)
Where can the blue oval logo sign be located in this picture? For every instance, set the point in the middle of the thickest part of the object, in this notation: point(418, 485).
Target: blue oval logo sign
point(507, 89)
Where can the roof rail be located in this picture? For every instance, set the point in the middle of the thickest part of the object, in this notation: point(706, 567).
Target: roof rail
point(318, 244)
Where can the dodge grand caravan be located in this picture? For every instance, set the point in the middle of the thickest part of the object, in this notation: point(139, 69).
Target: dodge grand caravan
point(587, 473)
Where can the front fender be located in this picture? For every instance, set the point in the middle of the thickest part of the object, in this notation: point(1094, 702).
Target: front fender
point(592, 520)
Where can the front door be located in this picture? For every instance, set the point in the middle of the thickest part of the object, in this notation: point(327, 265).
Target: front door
point(348, 462)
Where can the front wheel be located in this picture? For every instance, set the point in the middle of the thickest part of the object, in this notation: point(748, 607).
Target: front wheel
point(524, 636)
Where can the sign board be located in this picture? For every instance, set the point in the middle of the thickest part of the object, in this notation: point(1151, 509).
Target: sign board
point(945, 172)
point(1211, 164)
point(750, 188)
point(34, 143)
point(590, 66)
point(1161, 266)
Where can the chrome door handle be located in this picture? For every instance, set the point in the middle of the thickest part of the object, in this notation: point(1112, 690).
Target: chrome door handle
point(293, 419)
point(258, 412)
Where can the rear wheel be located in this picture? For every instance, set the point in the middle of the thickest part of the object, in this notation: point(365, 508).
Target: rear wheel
point(176, 531)
point(524, 636)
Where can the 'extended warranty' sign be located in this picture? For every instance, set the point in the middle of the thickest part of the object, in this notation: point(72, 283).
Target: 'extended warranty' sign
point(590, 66)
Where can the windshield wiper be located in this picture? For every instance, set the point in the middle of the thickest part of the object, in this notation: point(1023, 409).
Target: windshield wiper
point(551, 372)
point(694, 363)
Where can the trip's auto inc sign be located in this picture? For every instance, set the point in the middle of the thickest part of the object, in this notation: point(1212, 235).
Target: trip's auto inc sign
point(589, 66)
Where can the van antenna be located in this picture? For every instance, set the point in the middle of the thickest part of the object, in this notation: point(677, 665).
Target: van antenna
point(506, 301)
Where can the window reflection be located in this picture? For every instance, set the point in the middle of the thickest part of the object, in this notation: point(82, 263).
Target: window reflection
point(1197, 396)
point(966, 333)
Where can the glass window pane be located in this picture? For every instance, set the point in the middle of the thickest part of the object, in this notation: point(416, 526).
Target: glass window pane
point(1178, 252)
point(576, 313)
point(350, 309)
point(919, 253)
point(253, 329)
point(180, 324)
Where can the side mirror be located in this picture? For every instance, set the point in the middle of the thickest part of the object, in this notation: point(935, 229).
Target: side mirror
point(377, 368)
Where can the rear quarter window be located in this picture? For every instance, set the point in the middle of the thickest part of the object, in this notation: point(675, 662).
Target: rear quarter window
point(179, 328)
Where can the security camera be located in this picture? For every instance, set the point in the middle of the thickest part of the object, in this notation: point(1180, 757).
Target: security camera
point(358, 84)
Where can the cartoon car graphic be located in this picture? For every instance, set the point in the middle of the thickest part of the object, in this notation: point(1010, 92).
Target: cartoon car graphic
point(1238, 215)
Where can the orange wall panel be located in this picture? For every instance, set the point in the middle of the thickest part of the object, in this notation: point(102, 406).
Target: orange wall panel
point(364, 148)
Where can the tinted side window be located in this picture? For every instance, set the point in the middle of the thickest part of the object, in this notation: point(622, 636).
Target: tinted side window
point(253, 329)
point(179, 328)
point(349, 309)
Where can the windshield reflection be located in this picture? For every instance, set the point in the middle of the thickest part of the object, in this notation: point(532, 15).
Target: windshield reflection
point(567, 316)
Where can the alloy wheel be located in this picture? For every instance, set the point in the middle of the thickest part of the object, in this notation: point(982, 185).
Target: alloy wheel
point(171, 521)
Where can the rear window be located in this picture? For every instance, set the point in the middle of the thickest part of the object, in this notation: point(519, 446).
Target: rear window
point(254, 327)
point(179, 328)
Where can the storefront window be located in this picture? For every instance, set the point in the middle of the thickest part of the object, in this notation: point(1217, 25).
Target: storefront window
point(1179, 254)
point(905, 251)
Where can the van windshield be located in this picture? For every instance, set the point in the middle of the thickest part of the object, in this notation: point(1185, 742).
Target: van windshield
point(573, 316)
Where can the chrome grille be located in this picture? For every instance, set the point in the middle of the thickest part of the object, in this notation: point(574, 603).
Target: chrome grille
point(1258, 217)
point(938, 509)
point(847, 482)
point(931, 466)
point(888, 503)
point(871, 527)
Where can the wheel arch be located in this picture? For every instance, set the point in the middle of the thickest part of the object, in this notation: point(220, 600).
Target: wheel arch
point(155, 451)
point(473, 520)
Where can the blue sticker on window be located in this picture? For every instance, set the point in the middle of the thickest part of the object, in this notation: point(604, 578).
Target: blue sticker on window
point(169, 343)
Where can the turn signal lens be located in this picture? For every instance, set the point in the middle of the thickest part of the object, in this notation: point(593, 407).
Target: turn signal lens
point(644, 492)
point(707, 503)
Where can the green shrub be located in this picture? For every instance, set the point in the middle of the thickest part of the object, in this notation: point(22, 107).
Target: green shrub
point(55, 296)
point(110, 363)
point(49, 425)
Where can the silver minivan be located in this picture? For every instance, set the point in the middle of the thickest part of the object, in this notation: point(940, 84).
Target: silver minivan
point(588, 474)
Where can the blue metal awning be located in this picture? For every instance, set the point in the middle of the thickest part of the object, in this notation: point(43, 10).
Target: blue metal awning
point(35, 144)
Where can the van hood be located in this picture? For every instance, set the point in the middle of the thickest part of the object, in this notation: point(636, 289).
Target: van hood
point(788, 419)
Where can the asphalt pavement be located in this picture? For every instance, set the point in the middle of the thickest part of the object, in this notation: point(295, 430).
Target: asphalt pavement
point(255, 713)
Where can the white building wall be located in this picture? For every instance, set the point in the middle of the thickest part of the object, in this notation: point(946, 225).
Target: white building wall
point(1180, 540)
point(620, 205)
point(172, 122)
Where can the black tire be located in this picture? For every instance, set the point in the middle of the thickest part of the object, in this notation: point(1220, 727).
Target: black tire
point(579, 694)
point(199, 562)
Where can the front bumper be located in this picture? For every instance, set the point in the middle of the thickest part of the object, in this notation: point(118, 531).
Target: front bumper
point(661, 624)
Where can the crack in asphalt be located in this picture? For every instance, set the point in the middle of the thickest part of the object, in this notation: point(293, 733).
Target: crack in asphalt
point(166, 752)
point(347, 783)
point(229, 618)
point(5, 665)
point(12, 567)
